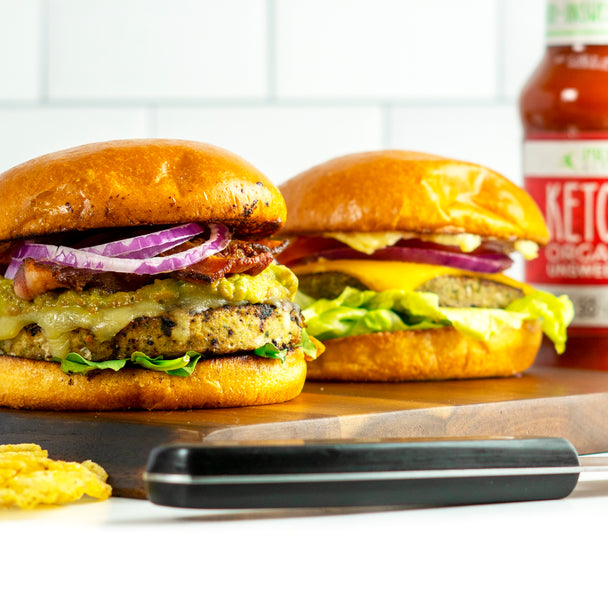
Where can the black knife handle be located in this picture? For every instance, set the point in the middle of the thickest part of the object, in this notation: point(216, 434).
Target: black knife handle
point(347, 473)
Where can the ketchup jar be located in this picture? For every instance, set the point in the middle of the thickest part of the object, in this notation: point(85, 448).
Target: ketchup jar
point(564, 111)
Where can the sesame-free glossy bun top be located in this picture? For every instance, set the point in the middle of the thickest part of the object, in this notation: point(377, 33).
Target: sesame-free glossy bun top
point(137, 183)
point(396, 190)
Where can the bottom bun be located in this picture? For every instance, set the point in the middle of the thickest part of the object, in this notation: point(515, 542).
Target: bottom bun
point(222, 382)
point(433, 354)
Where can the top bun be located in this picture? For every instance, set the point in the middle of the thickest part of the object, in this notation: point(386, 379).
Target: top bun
point(395, 190)
point(135, 183)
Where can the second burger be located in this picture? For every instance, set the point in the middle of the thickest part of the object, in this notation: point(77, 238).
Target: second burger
point(400, 257)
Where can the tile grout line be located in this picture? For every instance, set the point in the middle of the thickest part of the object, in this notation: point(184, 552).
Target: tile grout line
point(44, 52)
point(501, 49)
point(229, 103)
point(271, 51)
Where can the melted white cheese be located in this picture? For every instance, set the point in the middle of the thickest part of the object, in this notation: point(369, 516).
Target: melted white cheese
point(370, 242)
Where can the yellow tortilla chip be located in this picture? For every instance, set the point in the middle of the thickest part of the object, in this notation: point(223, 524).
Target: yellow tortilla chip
point(28, 477)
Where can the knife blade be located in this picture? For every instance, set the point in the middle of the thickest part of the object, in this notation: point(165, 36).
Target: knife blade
point(346, 473)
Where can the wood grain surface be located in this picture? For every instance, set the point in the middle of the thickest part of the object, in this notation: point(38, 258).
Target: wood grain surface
point(542, 402)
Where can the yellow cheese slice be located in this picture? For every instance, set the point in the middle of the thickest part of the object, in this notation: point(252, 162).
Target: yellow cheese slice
point(380, 275)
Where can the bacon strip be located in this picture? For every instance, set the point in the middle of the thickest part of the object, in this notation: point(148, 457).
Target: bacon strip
point(33, 279)
point(240, 257)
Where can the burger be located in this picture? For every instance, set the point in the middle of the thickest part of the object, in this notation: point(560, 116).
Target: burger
point(141, 274)
point(400, 259)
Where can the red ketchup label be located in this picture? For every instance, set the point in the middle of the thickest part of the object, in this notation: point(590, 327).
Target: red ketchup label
point(568, 179)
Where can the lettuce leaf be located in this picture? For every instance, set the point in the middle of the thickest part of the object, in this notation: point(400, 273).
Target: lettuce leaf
point(180, 366)
point(271, 351)
point(556, 314)
point(311, 350)
point(356, 312)
point(75, 364)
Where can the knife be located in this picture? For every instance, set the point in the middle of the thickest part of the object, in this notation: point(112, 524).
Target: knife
point(357, 473)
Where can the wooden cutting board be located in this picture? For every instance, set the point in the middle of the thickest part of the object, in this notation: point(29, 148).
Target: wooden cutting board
point(542, 402)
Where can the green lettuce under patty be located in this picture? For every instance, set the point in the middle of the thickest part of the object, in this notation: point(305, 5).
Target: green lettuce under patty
point(270, 351)
point(356, 312)
point(179, 366)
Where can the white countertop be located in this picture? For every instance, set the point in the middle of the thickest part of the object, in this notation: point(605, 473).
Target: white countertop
point(124, 552)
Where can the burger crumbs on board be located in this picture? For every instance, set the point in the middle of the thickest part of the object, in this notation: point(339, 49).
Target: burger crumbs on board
point(29, 478)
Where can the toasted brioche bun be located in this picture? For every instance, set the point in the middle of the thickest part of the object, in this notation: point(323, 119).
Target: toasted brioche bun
point(432, 354)
point(137, 182)
point(144, 182)
point(412, 192)
point(395, 190)
point(222, 382)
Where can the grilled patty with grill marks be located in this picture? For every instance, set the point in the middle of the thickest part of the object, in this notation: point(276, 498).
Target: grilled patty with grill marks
point(459, 291)
point(465, 292)
point(212, 332)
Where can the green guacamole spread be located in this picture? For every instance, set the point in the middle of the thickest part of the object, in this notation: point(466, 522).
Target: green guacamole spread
point(105, 314)
point(274, 283)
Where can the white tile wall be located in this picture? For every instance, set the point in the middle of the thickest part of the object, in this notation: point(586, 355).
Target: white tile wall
point(31, 131)
point(489, 135)
point(20, 50)
point(523, 26)
point(285, 83)
point(157, 50)
point(282, 140)
point(385, 49)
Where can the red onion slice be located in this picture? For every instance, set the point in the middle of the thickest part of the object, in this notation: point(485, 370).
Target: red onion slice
point(79, 258)
point(489, 263)
point(148, 245)
point(11, 269)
